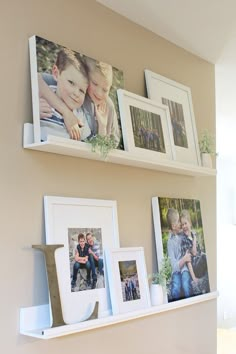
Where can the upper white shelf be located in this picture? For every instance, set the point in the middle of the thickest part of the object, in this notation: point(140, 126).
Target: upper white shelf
point(35, 321)
point(79, 149)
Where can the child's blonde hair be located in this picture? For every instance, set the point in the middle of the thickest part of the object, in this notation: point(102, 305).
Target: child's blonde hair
point(101, 67)
point(172, 217)
point(185, 214)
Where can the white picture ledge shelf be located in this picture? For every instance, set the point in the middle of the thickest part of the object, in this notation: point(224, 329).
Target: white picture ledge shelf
point(35, 321)
point(68, 147)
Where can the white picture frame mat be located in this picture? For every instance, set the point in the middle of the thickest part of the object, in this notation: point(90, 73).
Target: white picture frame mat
point(78, 305)
point(159, 87)
point(127, 99)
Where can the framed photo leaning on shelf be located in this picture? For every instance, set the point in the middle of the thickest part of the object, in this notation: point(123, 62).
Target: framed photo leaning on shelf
point(74, 96)
point(81, 225)
point(127, 279)
point(179, 236)
point(146, 127)
point(178, 99)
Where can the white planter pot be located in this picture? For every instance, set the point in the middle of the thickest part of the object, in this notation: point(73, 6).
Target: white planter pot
point(206, 160)
point(156, 294)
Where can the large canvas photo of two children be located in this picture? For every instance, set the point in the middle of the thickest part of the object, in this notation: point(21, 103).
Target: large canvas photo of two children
point(74, 96)
point(179, 236)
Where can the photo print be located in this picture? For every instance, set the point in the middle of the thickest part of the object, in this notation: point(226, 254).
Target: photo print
point(179, 236)
point(147, 130)
point(129, 280)
point(86, 259)
point(74, 96)
point(178, 123)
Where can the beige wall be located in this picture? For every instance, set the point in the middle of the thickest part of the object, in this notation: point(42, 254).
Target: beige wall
point(26, 176)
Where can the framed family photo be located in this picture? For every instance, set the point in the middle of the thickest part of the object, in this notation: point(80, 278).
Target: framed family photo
point(146, 127)
point(179, 236)
point(84, 227)
point(74, 96)
point(127, 279)
point(178, 99)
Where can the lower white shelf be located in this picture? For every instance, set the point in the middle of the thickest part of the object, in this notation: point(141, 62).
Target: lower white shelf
point(35, 321)
point(74, 148)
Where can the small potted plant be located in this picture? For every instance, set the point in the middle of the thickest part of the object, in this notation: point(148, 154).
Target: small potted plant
point(159, 282)
point(207, 148)
point(102, 144)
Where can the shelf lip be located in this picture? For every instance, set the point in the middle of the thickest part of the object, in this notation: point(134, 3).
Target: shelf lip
point(83, 150)
point(48, 333)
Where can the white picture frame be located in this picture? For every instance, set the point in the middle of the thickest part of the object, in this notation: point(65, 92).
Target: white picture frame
point(170, 245)
point(61, 214)
point(179, 100)
point(121, 262)
point(146, 127)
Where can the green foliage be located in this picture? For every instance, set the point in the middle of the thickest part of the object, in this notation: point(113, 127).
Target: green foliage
point(46, 54)
point(163, 274)
point(192, 205)
point(102, 144)
point(207, 143)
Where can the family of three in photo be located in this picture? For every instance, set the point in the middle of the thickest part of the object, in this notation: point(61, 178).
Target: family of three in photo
point(185, 248)
point(86, 262)
point(75, 94)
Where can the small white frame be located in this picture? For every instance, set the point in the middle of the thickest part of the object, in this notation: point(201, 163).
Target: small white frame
point(160, 87)
point(130, 254)
point(62, 213)
point(158, 114)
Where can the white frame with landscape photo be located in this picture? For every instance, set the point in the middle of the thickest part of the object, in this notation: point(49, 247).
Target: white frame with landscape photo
point(180, 105)
point(159, 115)
point(131, 254)
point(179, 204)
point(62, 214)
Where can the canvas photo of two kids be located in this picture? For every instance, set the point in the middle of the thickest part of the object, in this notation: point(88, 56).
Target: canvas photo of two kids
point(74, 96)
point(179, 236)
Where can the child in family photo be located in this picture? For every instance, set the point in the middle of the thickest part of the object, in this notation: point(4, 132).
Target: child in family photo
point(86, 81)
point(183, 243)
point(70, 86)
